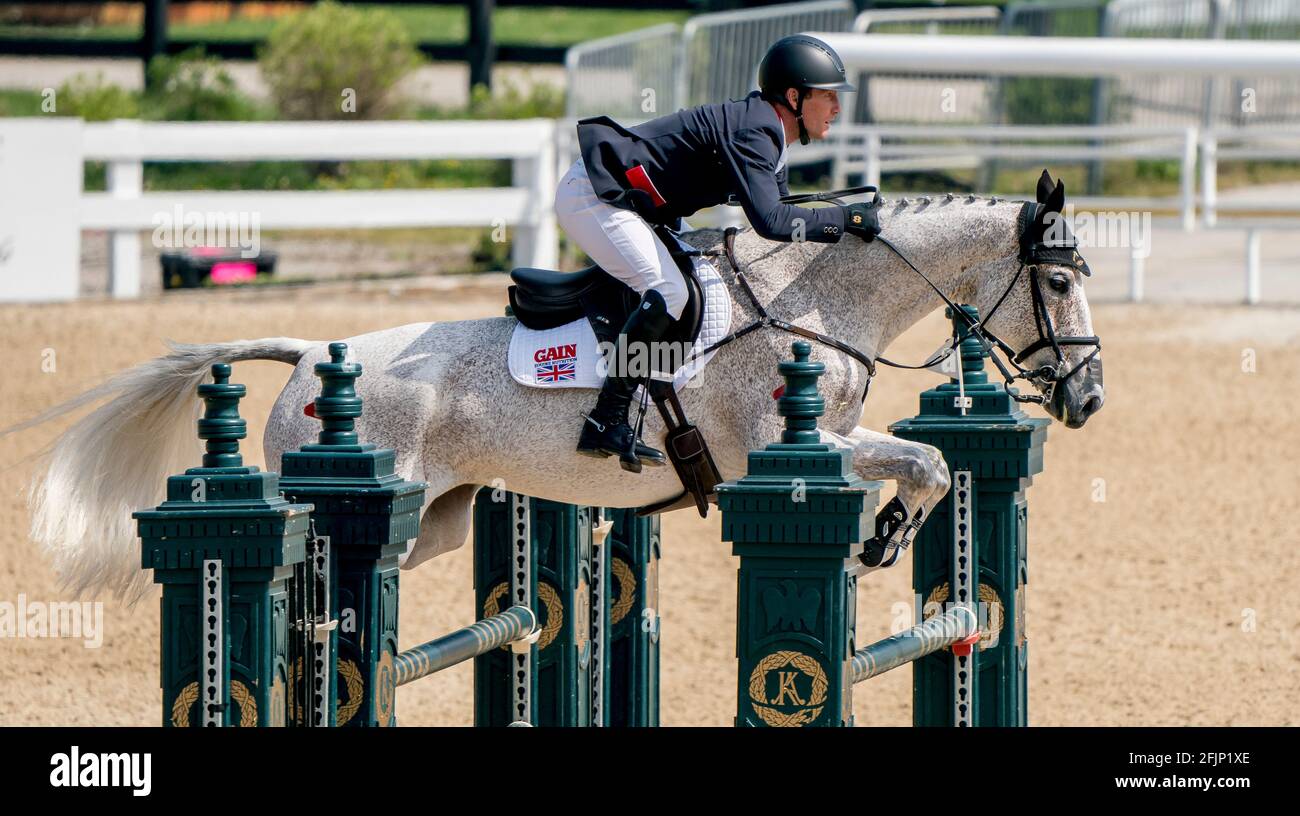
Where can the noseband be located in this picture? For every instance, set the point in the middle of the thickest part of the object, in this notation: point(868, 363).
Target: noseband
point(1034, 252)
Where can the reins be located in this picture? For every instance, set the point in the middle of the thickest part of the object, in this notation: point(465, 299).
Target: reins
point(1045, 378)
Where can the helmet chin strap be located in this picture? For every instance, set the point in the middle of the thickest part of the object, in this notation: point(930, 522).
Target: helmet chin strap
point(804, 138)
point(798, 117)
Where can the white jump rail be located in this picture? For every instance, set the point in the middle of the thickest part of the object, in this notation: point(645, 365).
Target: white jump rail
point(526, 207)
point(1062, 56)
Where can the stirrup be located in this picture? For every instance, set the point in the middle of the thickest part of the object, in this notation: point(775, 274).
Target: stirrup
point(638, 453)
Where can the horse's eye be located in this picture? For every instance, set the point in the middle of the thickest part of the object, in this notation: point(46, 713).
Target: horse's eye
point(1059, 283)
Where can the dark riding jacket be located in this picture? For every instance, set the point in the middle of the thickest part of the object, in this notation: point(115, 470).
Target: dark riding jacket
point(670, 167)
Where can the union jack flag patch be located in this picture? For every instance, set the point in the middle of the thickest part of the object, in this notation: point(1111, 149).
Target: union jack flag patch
point(557, 371)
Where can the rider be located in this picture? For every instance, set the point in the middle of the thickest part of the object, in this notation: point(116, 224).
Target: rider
point(668, 168)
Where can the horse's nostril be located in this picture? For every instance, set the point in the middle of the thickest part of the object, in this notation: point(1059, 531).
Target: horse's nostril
point(1092, 406)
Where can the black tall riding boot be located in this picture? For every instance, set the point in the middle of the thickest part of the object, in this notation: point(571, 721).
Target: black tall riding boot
point(606, 430)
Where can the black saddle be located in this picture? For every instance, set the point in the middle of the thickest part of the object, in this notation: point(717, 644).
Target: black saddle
point(544, 299)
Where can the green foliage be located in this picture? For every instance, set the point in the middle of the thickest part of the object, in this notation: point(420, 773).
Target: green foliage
point(509, 102)
point(1161, 170)
point(489, 255)
point(191, 87)
point(415, 174)
point(1048, 101)
point(541, 101)
point(338, 62)
point(20, 103)
point(95, 100)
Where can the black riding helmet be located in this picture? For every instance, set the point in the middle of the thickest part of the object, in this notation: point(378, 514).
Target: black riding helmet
point(803, 63)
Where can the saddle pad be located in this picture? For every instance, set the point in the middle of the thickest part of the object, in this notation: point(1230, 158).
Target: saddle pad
point(568, 356)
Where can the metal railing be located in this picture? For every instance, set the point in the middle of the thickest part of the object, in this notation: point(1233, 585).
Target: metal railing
point(912, 98)
point(721, 52)
point(630, 76)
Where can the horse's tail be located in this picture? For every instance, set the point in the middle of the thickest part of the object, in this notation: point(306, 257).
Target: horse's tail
point(116, 459)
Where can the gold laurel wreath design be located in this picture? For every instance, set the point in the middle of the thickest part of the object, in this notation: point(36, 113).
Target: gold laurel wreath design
point(758, 695)
point(550, 599)
point(190, 695)
point(351, 674)
point(988, 597)
point(626, 590)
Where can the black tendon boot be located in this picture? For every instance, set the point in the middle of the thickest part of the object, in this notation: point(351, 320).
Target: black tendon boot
point(606, 430)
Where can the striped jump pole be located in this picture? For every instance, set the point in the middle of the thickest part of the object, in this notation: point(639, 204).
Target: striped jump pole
point(514, 624)
point(939, 632)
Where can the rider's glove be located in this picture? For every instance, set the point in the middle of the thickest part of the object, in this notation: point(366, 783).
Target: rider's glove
point(862, 220)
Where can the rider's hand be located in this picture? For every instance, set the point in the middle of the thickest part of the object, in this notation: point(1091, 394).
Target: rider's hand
point(862, 220)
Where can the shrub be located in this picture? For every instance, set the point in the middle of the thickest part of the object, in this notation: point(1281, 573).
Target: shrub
point(540, 101)
point(192, 87)
point(95, 100)
point(313, 58)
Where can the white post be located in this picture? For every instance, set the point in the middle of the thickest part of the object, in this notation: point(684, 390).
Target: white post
point(1209, 178)
point(872, 150)
point(1187, 179)
point(1252, 267)
point(125, 181)
point(536, 240)
point(839, 161)
point(1136, 275)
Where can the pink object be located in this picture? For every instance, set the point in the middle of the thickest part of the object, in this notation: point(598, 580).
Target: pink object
point(233, 272)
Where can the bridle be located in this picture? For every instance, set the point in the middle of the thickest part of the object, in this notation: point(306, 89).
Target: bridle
point(1034, 251)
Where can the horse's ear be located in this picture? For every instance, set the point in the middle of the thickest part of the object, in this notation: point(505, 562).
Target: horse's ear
point(1055, 201)
point(1044, 187)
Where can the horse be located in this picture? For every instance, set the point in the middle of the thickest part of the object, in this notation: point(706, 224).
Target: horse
point(440, 394)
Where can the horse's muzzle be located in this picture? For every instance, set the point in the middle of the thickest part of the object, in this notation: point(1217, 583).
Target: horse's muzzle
point(1076, 399)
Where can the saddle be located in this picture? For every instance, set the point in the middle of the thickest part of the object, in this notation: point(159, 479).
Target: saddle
point(545, 299)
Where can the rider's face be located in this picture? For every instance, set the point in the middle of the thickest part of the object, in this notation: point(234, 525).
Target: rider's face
point(819, 110)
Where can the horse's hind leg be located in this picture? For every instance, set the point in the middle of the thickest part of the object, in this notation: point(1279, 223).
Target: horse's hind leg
point(445, 525)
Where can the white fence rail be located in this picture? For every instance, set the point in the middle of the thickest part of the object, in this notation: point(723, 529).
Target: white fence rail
point(525, 209)
point(1062, 56)
point(873, 149)
point(539, 150)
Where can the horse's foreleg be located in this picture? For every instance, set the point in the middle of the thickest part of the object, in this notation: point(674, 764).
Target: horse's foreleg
point(922, 479)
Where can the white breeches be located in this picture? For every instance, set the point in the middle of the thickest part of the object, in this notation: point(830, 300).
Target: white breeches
point(619, 240)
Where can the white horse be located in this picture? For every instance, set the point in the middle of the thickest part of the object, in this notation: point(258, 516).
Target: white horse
point(441, 396)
